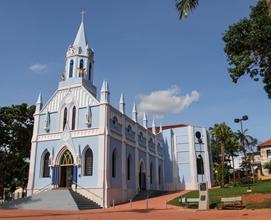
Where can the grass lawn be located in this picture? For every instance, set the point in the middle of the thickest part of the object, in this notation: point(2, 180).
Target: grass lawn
point(216, 194)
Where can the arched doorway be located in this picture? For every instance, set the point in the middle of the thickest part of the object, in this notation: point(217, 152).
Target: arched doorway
point(142, 177)
point(66, 169)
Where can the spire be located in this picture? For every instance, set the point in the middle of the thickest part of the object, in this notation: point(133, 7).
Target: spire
point(39, 100)
point(81, 38)
point(39, 103)
point(105, 93)
point(105, 86)
point(153, 127)
point(161, 128)
point(122, 104)
point(134, 113)
point(145, 120)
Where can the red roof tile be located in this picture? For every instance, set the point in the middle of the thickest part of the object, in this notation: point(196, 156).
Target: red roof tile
point(165, 127)
point(266, 143)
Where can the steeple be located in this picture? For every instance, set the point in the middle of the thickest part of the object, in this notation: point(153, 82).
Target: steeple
point(39, 103)
point(81, 38)
point(145, 120)
point(105, 93)
point(79, 61)
point(134, 113)
point(122, 104)
point(161, 129)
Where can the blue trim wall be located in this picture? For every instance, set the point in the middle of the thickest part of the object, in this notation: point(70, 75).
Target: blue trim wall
point(131, 184)
point(115, 182)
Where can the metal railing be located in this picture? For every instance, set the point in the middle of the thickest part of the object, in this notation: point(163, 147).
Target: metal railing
point(45, 188)
point(88, 191)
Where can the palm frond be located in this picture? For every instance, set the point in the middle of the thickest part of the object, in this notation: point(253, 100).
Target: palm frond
point(186, 6)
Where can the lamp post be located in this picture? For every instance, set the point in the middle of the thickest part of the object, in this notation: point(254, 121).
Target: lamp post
point(239, 120)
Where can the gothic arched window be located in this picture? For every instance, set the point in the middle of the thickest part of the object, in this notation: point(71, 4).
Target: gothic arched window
point(73, 117)
point(129, 167)
point(140, 136)
point(151, 173)
point(66, 158)
point(71, 69)
point(65, 118)
point(114, 163)
point(159, 175)
point(81, 65)
point(81, 68)
point(89, 71)
point(115, 120)
point(46, 169)
point(88, 171)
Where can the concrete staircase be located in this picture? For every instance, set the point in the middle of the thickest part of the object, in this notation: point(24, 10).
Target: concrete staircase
point(82, 202)
point(59, 199)
point(143, 194)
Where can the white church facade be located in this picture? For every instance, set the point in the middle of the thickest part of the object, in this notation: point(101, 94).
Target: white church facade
point(81, 141)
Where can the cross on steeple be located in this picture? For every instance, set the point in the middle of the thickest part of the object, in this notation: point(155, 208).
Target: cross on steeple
point(83, 12)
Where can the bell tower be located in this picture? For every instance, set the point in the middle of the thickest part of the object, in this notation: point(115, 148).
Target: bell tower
point(79, 61)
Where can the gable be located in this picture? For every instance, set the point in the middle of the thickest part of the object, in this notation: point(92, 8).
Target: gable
point(77, 95)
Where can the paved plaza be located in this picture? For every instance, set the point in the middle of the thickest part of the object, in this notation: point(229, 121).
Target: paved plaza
point(157, 209)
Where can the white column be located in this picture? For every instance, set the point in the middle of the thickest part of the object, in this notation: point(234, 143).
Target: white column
point(147, 168)
point(136, 160)
point(103, 168)
point(156, 173)
point(32, 165)
point(123, 163)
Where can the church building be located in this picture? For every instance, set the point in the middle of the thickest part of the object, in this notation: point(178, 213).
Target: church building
point(80, 141)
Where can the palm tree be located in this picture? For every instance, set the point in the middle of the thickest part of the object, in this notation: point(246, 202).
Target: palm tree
point(186, 6)
point(221, 133)
point(233, 146)
point(247, 143)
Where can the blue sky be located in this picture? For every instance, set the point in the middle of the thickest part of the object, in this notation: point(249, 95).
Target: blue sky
point(140, 48)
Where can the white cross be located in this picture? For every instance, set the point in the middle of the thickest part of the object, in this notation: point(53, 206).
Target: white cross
point(82, 14)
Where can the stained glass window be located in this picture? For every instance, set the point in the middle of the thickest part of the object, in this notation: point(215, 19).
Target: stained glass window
point(88, 162)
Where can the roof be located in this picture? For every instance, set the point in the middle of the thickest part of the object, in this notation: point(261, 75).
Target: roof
point(265, 143)
point(81, 38)
point(165, 127)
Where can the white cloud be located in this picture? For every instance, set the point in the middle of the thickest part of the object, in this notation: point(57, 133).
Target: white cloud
point(159, 103)
point(38, 68)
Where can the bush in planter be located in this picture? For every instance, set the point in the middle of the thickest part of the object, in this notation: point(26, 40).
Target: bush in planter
point(267, 166)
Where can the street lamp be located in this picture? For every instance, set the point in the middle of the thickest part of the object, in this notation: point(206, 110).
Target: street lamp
point(239, 120)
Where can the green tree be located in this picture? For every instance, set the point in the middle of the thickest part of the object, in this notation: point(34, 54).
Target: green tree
point(233, 148)
point(247, 43)
point(16, 125)
point(221, 137)
point(247, 142)
point(247, 145)
point(248, 47)
point(184, 7)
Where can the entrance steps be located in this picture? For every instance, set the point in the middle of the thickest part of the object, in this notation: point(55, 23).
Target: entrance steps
point(57, 199)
